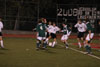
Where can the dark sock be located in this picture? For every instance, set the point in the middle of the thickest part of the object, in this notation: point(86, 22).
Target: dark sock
point(38, 44)
point(66, 44)
point(88, 48)
point(44, 44)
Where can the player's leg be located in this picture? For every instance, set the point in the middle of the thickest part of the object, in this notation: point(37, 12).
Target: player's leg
point(44, 43)
point(88, 47)
point(1, 40)
point(54, 40)
point(38, 42)
point(87, 43)
point(83, 38)
point(79, 43)
point(64, 40)
point(47, 39)
point(66, 43)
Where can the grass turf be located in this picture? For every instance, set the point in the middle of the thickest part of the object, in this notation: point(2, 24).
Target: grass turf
point(20, 52)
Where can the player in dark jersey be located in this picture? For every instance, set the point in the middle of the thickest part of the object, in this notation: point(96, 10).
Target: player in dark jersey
point(41, 33)
point(89, 37)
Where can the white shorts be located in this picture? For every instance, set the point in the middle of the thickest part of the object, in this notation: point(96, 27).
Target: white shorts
point(91, 36)
point(41, 38)
point(64, 37)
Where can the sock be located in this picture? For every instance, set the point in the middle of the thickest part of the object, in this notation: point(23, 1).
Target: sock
point(66, 44)
point(44, 44)
point(53, 44)
point(38, 44)
point(2, 44)
point(47, 40)
point(88, 48)
point(79, 44)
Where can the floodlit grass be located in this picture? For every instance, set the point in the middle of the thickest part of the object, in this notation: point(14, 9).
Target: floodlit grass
point(20, 52)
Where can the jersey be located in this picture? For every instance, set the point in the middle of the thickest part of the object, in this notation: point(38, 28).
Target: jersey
point(81, 27)
point(54, 29)
point(66, 29)
point(49, 28)
point(41, 29)
point(89, 27)
point(1, 26)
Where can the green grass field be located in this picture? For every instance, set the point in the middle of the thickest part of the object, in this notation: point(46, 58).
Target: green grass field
point(21, 52)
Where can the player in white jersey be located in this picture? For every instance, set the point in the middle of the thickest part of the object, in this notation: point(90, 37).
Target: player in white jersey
point(81, 30)
point(52, 31)
point(1, 40)
point(49, 28)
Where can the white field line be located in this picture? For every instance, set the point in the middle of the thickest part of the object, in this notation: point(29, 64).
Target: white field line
point(83, 52)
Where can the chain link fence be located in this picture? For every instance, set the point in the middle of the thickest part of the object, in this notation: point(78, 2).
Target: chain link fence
point(23, 14)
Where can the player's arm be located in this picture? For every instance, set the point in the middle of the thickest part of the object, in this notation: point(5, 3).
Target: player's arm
point(85, 27)
point(76, 25)
point(1, 25)
point(58, 29)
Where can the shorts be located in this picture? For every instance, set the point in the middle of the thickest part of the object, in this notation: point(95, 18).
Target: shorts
point(53, 35)
point(41, 38)
point(91, 36)
point(0, 33)
point(80, 34)
point(64, 37)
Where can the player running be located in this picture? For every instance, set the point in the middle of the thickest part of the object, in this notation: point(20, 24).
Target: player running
point(81, 30)
point(1, 40)
point(41, 33)
point(49, 28)
point(90, 29)
point(52, 30)
point(66, 32)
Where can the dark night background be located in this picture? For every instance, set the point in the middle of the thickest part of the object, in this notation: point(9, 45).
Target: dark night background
point(23, 14)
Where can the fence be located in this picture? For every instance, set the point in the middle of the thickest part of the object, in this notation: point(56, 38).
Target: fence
point(23, 14)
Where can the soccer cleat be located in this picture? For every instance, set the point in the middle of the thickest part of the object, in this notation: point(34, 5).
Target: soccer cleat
point(67, 47)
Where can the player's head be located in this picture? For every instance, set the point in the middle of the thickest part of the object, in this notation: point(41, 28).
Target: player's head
point(44, 20)
point(40, 21)
point(99, 22)
point(54, 24)
point(79, 21)
point(64, 24)
point(49, 23)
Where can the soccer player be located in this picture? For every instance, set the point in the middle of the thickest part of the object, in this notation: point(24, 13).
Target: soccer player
point(52, 31)
point(41, 33)
point(1, 27)
point(81, 30)
point(66, 32)
point(49, 28)
point(90, 29)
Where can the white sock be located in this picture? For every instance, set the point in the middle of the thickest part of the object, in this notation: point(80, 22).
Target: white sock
point(2, 43)
point(47, 40)
point(79, 44)
point(53, 44)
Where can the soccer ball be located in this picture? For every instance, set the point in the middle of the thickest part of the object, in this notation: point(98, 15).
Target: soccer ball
point(50, 43)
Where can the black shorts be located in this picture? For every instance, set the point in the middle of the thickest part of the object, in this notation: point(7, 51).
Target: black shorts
point(53, 35)
point(80, 34)
point(0, 33)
